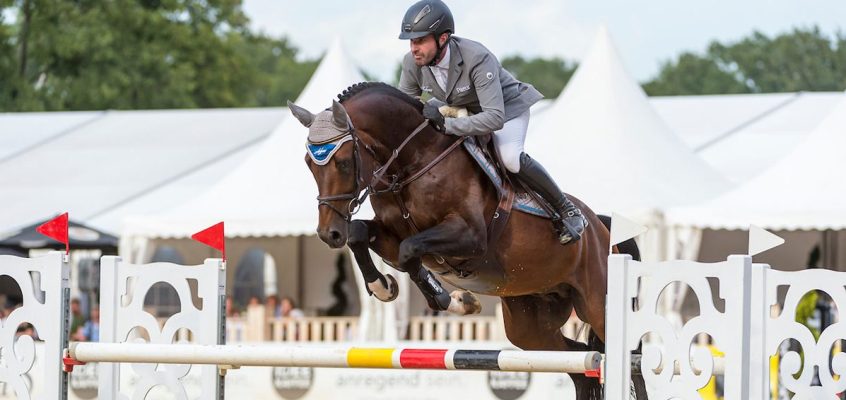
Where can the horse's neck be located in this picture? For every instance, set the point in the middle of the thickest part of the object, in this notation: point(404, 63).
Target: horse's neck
point(423, 148)
point(419, 151)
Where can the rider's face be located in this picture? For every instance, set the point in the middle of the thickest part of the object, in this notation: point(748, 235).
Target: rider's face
point(423, 49)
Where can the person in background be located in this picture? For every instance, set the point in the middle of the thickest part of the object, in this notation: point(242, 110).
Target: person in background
point(271, 306)
point(91, 329)
point(289, 308)
point(76, 318)
point(231, 310)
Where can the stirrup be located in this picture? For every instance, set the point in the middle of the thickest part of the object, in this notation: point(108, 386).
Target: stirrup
point(566, 232)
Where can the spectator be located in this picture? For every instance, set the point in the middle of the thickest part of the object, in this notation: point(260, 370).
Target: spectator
point(289, 308)
point(91, 329)
point(231, 310)
point(76, 317)
point(271, 304)
point(254, 301)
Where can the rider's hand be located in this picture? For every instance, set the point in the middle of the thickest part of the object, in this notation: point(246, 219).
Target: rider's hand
point(436, 119)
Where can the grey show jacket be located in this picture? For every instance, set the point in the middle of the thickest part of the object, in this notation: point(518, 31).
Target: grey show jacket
point(476, 81)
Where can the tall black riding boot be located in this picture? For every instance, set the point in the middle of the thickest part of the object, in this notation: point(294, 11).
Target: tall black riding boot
point(570, 222)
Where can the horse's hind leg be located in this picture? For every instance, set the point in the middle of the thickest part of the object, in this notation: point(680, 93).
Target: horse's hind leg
point(590, 307)
point(362, 236)
point(534, 322)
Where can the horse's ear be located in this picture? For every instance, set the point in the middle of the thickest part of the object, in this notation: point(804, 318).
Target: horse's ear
point(304, 116)
point(339, 116)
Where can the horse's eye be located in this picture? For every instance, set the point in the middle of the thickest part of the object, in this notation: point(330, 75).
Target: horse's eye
point(344, 166)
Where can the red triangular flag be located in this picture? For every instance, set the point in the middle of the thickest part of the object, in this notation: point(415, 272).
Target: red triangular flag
point(56, 228)
point(212, 237)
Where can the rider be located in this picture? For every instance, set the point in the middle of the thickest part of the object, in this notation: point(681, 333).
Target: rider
point(463, 73)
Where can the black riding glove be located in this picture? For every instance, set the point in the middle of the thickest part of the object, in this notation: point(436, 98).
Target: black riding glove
point(436, 119)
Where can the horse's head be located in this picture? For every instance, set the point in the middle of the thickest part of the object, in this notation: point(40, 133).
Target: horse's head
point(335, 163)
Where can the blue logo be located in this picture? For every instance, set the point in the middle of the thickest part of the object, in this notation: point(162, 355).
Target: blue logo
point(321, 152)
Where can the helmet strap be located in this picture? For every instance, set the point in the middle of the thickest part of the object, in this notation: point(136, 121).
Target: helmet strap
point(437, 57)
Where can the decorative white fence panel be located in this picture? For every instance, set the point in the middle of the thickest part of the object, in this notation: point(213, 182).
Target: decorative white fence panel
point(629, 321)
point(816, 353)
point(44, 286)
point(123, 288)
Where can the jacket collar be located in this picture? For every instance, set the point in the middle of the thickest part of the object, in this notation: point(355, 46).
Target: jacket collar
point(456, 64)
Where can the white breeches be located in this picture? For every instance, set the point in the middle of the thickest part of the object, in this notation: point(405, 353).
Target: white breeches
point(509, 141)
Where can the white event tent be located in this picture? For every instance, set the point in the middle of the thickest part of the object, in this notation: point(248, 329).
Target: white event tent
point(605, 144)
point(801, 196)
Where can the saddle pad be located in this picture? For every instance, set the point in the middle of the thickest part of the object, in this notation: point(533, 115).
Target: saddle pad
point(523, 202)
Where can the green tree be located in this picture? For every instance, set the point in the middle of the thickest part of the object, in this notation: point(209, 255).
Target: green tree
point(800, 60)
point(278, 77)
point(131, 54)
point(803, 59)
point(691, 75)
point(548, 75)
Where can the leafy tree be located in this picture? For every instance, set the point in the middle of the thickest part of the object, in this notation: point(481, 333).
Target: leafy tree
point(131, 54)
point(803, 59)
point(692, 75)
point(548, 75)
point(279, 77)
point(800, 60)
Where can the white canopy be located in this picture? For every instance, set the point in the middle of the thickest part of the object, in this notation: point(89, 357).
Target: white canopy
point(804, 190)
point(722, 128)
point(271, 193)
point(605, 144)
point(92, 164)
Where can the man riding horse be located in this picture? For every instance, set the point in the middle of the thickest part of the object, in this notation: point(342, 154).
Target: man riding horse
point(438, 215)
point(463, 73)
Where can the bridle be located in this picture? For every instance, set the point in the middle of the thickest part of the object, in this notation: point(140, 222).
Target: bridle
point(356, 197)
point(394, 185)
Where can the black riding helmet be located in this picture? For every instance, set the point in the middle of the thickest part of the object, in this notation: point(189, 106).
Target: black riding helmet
point(426, 17)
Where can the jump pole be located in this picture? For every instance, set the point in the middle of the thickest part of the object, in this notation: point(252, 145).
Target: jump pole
point(233, 356)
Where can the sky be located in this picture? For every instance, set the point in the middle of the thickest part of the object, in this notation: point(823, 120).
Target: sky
point(647, 32)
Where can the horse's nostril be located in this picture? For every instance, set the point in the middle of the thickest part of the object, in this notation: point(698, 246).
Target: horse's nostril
point(335, 235)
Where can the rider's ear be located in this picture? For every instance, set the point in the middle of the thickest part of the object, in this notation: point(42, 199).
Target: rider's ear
point(443, 39)
point(339, 116)
point(304, 116)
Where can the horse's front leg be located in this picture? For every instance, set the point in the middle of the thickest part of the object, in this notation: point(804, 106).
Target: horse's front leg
point(452, 238)
point(364, 235)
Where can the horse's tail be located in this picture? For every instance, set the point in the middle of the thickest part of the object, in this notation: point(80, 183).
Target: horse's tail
point(629, 246)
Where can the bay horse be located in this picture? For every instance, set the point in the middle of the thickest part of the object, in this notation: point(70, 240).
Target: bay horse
point(432, 205)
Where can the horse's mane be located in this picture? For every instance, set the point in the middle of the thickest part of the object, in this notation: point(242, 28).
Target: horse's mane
point(380, 87)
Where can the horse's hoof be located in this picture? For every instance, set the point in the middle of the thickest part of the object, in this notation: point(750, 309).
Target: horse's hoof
point(383, 293)
point(464, 303)
point(393, 287)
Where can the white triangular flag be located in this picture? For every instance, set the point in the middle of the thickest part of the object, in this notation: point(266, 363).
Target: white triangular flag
point(623, 229)
point(761, 240)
